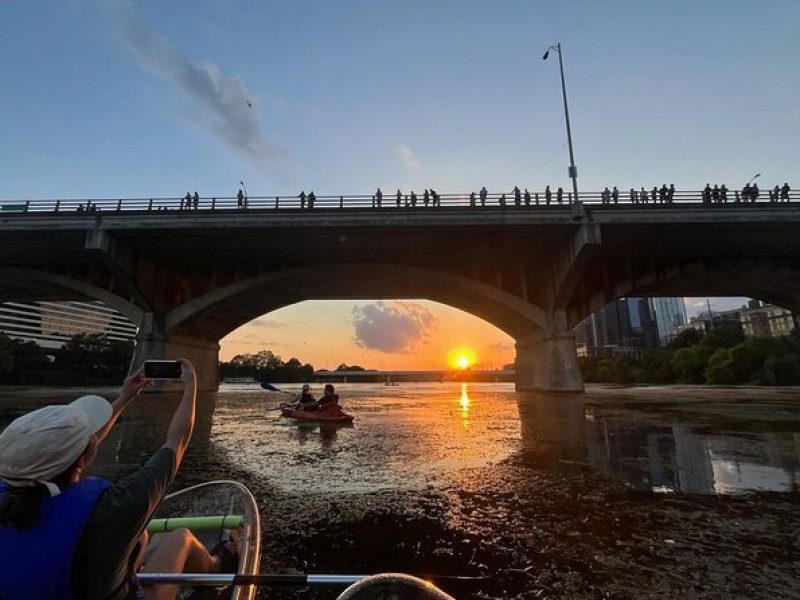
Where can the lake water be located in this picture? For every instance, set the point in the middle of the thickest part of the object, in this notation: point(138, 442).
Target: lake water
point(448, 446)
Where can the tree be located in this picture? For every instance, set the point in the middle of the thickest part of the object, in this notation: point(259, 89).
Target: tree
point(686, 339)
point(689, 364)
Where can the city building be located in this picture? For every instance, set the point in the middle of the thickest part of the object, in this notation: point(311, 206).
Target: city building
point(50, 324)
point(766, 320)
point(706, 321)
point(629, 326)
point(669, 315)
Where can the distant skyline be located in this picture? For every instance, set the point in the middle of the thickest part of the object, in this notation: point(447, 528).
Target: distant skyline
point(111, 98)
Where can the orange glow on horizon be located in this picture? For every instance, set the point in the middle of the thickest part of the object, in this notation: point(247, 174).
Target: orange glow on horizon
point(461, 358)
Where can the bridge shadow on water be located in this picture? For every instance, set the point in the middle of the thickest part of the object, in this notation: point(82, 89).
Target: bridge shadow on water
point(669, 446)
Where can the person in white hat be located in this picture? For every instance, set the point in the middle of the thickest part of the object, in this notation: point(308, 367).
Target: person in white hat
point(63, 535)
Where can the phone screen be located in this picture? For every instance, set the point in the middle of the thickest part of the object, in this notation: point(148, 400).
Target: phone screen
point(162, 369)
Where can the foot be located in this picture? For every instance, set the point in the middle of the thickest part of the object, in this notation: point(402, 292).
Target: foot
point(227, 553)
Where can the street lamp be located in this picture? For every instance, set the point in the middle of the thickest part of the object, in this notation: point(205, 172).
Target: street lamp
point(753, 178)
point(244, 187)
point(573, 171)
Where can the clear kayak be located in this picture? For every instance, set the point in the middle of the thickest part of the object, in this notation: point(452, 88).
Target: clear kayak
point(328, 414)
point(210, 510)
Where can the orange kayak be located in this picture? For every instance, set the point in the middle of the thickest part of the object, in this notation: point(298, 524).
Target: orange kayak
point(332, 414)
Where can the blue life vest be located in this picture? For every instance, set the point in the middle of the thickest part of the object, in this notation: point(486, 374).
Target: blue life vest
point(36, 563)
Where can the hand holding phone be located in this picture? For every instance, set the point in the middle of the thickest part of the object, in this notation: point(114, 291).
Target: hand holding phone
point(162, 369)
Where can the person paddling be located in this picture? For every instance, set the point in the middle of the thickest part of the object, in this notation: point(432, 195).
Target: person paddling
point(64, 535)
point(329, 399)
point(306, 400)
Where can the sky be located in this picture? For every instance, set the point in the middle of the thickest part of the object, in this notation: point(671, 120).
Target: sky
point(116, 99)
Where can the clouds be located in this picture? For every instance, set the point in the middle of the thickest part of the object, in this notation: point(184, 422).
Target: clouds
point(392, 327)
point(407, 157)
point(264, 323)
point(224, 107)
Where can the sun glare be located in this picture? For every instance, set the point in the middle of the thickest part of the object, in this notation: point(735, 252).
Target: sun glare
point(461, 358)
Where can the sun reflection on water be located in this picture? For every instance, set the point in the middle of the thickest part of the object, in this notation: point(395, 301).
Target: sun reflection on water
point(464, 402)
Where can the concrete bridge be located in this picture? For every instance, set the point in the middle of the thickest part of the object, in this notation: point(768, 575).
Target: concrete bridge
point(188, 277)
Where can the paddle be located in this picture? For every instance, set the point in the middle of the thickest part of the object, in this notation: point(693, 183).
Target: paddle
point(276, 578)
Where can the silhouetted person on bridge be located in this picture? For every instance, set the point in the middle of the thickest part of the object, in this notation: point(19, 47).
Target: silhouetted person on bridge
point(472, 198)
point(663, 193)
point(517, 196)
point(240, 199)
point(723, 194)
point(671, 194)
point(605, 196)
point(615, 195)
point(187, 201)
point(426, 197)
point(413, 198)
point(527, 197)
point(302, 196)
point(643, 195)
point(436, 200)
point(785, 189)
point(715, 197)
point(707, 194)
point(774, 195)
point(483, 194)
point(754, 192)
point(311, 199)
point(502, 199)
point(548, 195)
point(196, 200)
point(654, 194)
point(399, 197)
point(634, 197)
point(377, 199)
point(559, 194)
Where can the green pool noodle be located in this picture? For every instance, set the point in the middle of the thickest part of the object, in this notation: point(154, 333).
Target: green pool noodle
point(195, 523)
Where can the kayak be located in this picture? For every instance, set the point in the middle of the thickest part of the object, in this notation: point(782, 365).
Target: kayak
point(333, 414)
point(208, 510)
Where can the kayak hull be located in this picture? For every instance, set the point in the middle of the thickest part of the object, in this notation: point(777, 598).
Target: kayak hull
point(222, 498)
point(325, 415)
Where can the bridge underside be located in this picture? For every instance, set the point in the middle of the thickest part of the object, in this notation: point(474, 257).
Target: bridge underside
point(189, 279)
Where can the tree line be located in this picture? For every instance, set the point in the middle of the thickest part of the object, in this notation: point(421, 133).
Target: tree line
point(721, 356)
point(85, 359)
point(268, 366)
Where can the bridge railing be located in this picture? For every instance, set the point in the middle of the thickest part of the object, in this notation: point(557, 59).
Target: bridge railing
point(507, 200)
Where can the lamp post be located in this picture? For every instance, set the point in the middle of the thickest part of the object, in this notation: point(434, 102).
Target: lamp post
point(244, 187)
point(753, 178)
point(573, 171)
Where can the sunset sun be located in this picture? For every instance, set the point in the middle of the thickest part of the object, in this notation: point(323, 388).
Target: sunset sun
point(461, 358)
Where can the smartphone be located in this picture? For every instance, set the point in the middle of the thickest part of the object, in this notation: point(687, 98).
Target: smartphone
point(162, 369)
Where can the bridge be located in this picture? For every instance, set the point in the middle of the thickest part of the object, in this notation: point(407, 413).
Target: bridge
point(187, 276)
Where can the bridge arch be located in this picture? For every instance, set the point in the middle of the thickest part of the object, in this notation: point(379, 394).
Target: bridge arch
point(220, 311)
point(768, 279)
point(30, 283)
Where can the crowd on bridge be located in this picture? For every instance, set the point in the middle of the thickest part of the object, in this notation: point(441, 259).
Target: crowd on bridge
point(666, 194)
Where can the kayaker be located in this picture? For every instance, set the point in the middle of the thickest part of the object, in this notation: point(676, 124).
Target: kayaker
point(306, 400)
point(67, 536)
point(329, 398)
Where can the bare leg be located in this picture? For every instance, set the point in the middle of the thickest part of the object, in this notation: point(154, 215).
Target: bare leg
point(176, 552)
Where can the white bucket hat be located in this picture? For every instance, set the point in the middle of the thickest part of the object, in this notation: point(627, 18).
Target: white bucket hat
point(42, 444)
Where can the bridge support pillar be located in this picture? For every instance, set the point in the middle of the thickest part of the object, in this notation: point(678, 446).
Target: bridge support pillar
point(548, 364)
point(153, 344)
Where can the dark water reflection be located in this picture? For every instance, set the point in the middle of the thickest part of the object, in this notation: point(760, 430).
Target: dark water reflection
point(415, 436)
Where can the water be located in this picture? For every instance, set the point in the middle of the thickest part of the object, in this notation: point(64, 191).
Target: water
point(476, 478)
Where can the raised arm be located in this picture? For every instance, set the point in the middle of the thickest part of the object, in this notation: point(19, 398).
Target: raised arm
point(130, 389)
point(182, 424)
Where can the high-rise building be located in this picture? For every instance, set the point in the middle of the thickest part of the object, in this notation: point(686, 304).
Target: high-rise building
point(50, 324)
point(669, 315)
point(630, 325)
